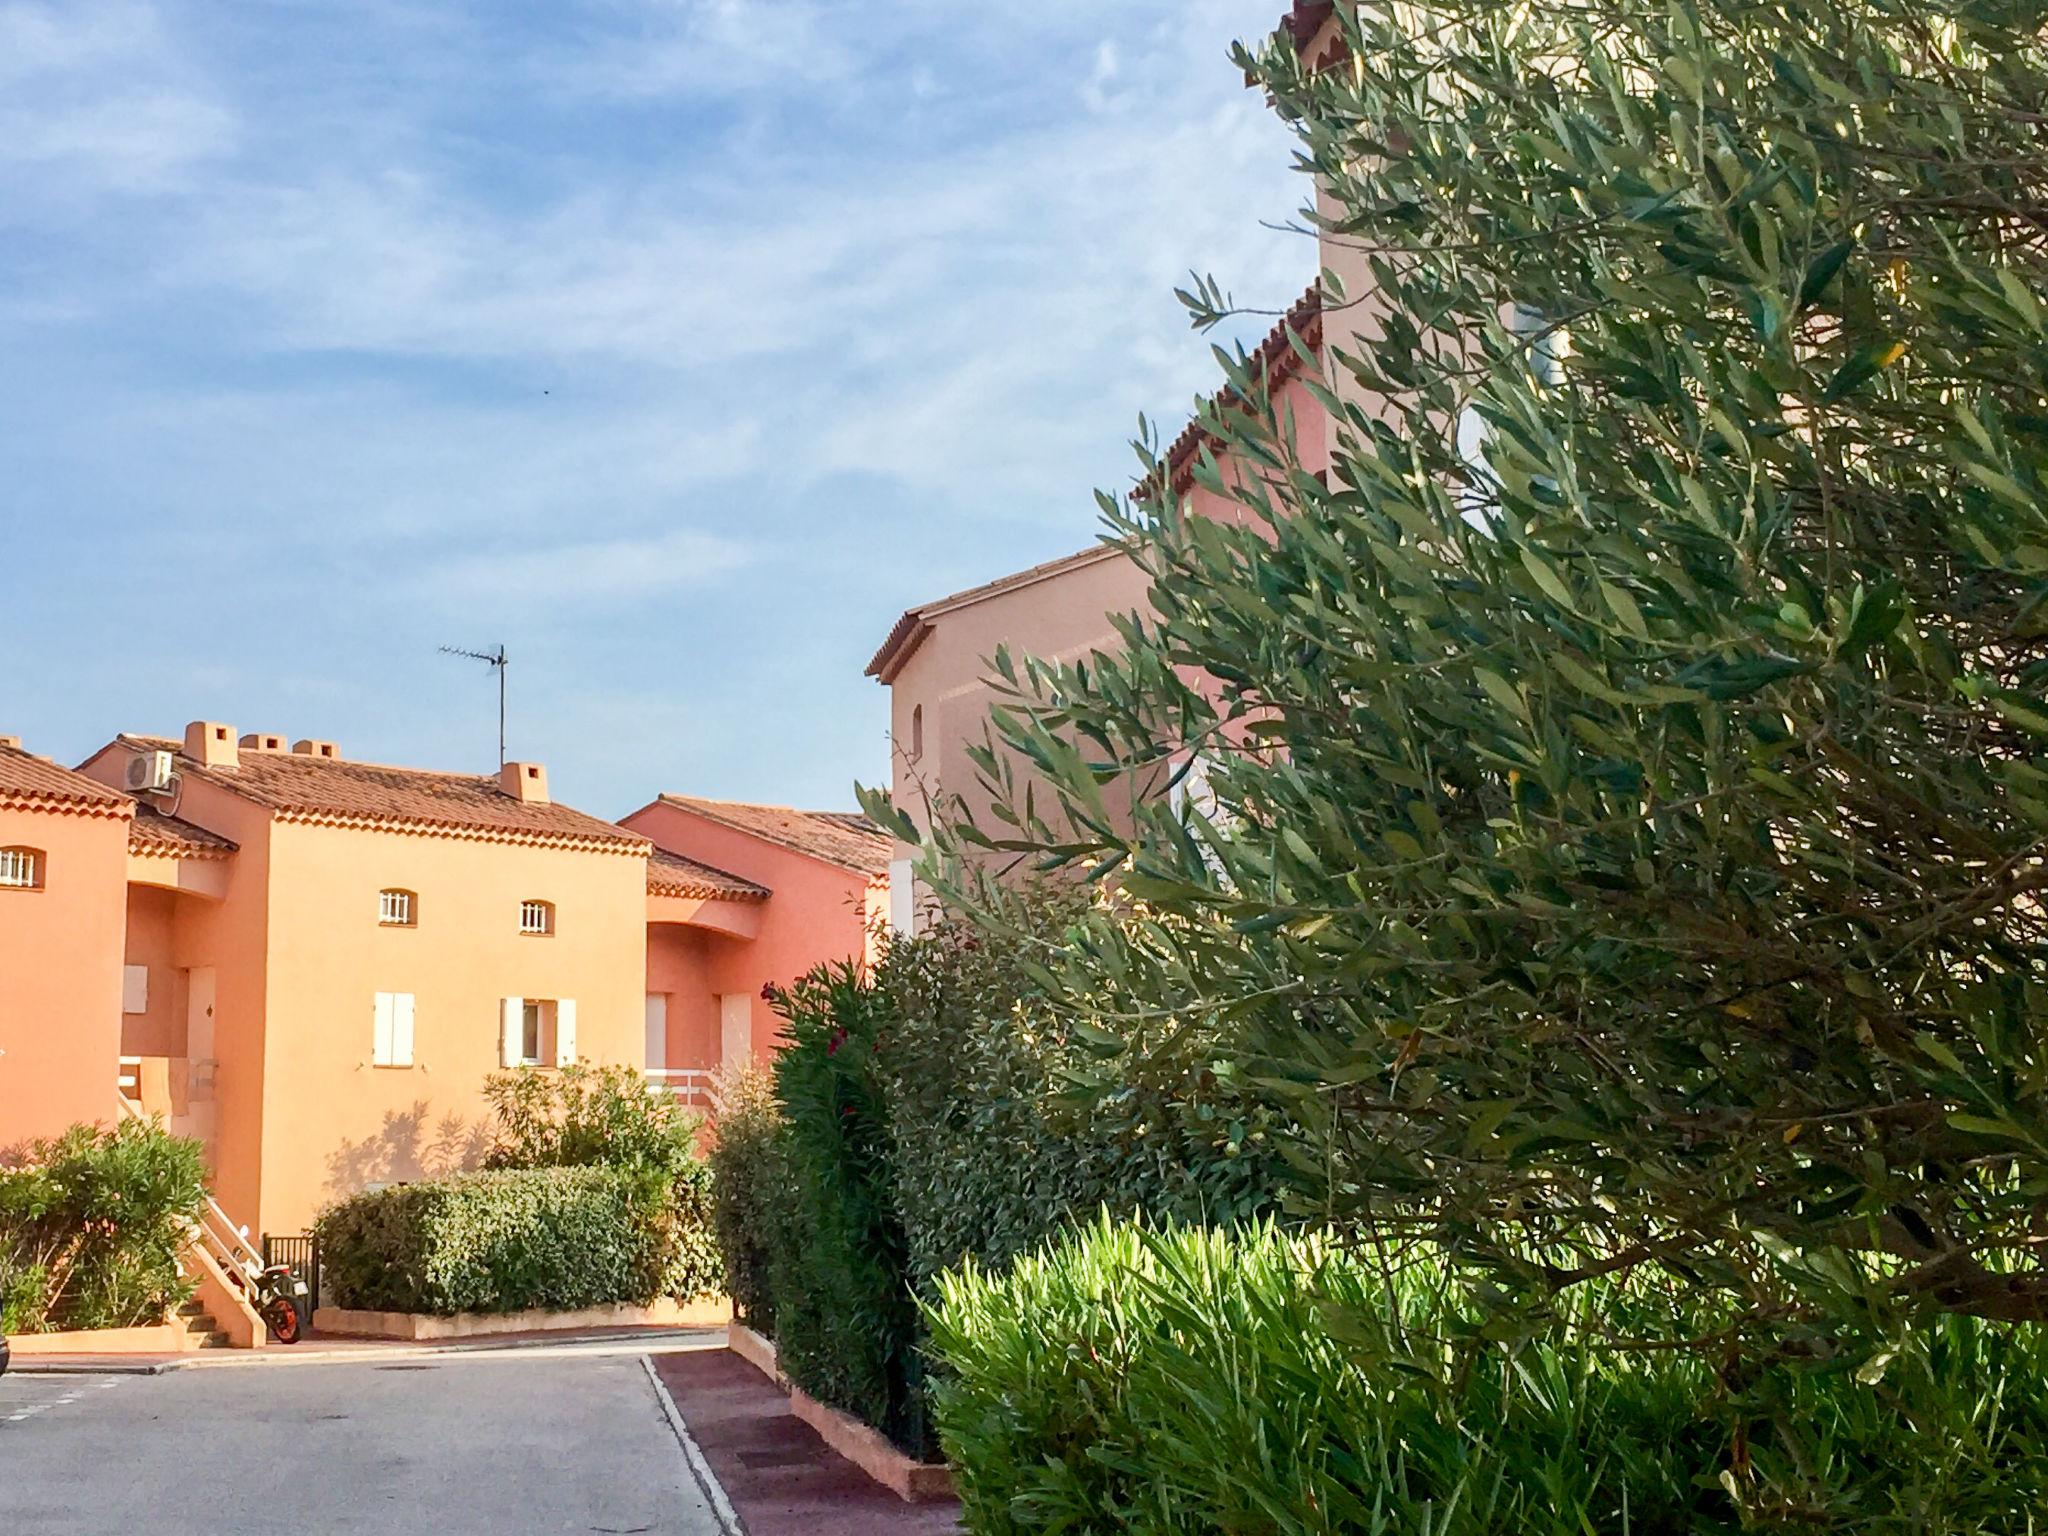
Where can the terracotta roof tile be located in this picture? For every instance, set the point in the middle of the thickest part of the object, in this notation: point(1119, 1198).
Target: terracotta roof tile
point(908, 630)
point(670, 874)
point(154, 832)
point(1274, 359)
point(301, 787)
point(1306, 20)
point(26, 779)
point(844, 838)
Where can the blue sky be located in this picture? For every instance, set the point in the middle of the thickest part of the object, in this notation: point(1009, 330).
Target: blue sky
point(677, 344)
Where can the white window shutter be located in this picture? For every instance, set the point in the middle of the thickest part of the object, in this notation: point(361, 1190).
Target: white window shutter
point(135, 989)
point(565, 1031)
point(380, 1035)
point(512, 1013)
point(402, 1004)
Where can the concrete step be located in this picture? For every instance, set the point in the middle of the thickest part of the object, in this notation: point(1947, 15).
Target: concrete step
point(213, 1339)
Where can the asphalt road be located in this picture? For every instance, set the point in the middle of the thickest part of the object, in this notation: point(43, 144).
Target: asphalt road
point(496, 1444)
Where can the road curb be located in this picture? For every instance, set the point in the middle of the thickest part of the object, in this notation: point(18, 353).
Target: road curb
point(452, 1349)
point(722, 1511)
point(90, 1368)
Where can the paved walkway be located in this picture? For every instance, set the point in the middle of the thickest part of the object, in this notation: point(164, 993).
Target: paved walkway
point(781, 1478)
point(495, 1443)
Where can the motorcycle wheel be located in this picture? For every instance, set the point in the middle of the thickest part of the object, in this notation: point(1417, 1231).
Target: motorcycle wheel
point(282, 1318)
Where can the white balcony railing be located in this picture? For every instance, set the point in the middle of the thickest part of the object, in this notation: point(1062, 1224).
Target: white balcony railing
point(695, 1087)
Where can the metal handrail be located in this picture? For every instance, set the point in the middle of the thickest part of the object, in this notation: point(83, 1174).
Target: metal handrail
point(688, 1084)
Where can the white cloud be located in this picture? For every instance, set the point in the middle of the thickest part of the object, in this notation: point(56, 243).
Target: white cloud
point(101, 93)
point(584, 572)
point(714, 48)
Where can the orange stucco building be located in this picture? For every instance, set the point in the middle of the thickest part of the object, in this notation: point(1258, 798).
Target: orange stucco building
point(314, 964)
point(63, 859)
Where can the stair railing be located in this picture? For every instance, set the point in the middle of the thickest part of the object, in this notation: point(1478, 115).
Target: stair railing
point(227, 1244)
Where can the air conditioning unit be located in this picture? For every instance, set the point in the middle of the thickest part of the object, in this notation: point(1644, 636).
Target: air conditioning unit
point(151, 772)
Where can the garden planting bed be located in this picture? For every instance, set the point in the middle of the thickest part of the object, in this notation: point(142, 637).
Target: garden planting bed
point(913, 1481)
point(782, 1478)
point(155, 1339)
point(420, 1326)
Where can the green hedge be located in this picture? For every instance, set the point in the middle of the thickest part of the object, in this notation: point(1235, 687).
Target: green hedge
point(846, 1326)
point(604, 1117)
point(1198, 1381)
point(1008, 1121)
point(555, 1238)
point(91, 1225)
point(750, 1202)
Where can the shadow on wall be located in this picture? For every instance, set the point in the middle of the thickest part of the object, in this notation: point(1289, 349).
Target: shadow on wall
point(407, 1149)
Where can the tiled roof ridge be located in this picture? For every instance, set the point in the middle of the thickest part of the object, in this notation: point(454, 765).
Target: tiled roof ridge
point(872, 860)
point(679, 874)
point(37, 783)
point(1274, 359)
point(494, 815)
point(923, 613)
point(153, 829)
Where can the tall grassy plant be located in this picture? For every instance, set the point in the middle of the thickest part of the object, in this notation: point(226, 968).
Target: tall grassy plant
point(1199, 1381)
point(846, 1327)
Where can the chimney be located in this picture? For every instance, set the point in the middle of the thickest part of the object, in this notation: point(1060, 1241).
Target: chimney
point(211, 744)
point(525, 781)
point(263, 741)
point(309, 748)
point(12, 742)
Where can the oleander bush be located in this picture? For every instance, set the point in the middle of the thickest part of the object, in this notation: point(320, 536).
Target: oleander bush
point(1196, 1380)
point(605, 1117)
point(502, 1241)
point(750, 1198)
point(91, 1225)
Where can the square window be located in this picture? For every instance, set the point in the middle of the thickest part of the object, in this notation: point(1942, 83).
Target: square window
point(536, 917)
point(395, 909)
point(20, 868)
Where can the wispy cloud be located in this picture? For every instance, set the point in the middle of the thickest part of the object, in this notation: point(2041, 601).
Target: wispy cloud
point(102, 92)
point(595, 570)
point(389, 323)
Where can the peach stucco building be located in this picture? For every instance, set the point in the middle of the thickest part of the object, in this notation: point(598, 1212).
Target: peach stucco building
point(313, 964)
point(63, 859)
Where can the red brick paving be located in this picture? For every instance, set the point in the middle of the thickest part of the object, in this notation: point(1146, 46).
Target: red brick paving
point(782, 1479)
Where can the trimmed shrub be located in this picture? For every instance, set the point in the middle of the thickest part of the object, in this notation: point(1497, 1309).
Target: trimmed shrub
point(1201, 1381)
point(1008, 1119)
point(91, 1225)
point(505, 1241)
point(749, 1192)
point(605, 1117)
point(846, 1327)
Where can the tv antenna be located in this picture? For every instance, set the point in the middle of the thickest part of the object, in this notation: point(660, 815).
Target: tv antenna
point(497, 660)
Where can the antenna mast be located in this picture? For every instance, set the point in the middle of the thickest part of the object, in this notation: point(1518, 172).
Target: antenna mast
point(498, 661)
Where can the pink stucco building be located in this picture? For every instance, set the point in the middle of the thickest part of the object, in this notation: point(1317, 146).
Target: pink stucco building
point(936, 658)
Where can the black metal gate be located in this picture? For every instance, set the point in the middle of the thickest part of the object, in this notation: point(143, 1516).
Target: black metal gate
point(301, 1255)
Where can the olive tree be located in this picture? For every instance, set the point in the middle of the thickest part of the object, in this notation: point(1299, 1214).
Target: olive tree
point(1623, 846)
